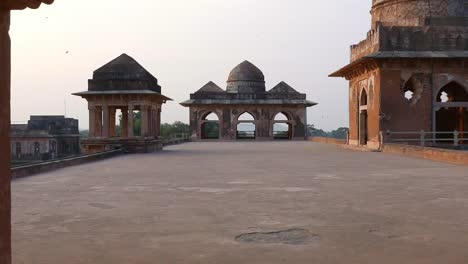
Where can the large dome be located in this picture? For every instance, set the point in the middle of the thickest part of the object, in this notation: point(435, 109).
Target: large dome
point(414, 12)
point(246, 78)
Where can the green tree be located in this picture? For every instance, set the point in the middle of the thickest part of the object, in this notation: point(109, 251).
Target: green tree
point(340, 133)
point(136, 124)
point(171, 130)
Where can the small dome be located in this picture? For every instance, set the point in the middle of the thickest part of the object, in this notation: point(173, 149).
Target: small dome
point(246, 78)
point(246, 71)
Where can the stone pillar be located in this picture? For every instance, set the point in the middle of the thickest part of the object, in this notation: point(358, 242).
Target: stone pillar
point(130, 132)
point(158, 122)
point(105, 118)
point(124, 124)
point(112, 111)
point(92, 121)
point(5, 189)
point(144, 120)
point(98, 121)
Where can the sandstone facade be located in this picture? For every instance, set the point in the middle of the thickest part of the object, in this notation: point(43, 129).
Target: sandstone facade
point(410, 73)
point(246, 95)
point(123, 84)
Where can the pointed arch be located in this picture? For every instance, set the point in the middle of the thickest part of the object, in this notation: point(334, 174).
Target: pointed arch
point(363, 99)
point(210, 116)
point(452, 92)
point(282, 116)
point(246, 116)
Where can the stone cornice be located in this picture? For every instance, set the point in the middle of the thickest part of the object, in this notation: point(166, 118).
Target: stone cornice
point(22, 4)
point(356, 69)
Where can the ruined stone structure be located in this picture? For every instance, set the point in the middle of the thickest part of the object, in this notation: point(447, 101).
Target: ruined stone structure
point(246, 110)
point(123, 84)
point(5, 71)
point(410, 73)
point(45, 138)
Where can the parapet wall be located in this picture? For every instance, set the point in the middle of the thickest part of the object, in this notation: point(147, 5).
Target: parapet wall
point(435, 154)
point(366, 47)
point(28, 170)
point(325, 140)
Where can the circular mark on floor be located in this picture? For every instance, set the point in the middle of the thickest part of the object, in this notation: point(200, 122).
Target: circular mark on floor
point(290, 237)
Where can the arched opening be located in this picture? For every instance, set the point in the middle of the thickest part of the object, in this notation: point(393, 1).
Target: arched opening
point(18, 150)
point(413, 89)
point(246, 128)
point(453, 112)
point(37, 149)
point(363, 119)
point(53, 149)
point(363, 98)
point(452, 93)
point(118, 126)
point(210, 127)
point(282, 128)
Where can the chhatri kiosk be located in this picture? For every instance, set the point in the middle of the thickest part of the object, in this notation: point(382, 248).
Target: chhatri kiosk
point(123, 85)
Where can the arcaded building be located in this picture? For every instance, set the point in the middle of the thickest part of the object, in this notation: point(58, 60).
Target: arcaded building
point(45, 138)
point(125, 105)
point(246, 111)
point(411, 72)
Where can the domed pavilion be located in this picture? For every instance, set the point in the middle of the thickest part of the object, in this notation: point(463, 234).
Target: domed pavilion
point(246, 111)
point(410, 74)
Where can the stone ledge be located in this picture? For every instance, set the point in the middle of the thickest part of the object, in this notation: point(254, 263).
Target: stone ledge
point(442, 155)
point(37, 168)
point(325, 140)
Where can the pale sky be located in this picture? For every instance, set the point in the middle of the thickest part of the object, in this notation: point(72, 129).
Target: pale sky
point(185, 44)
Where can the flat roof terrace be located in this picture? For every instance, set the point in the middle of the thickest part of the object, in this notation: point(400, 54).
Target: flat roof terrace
point(218, 202)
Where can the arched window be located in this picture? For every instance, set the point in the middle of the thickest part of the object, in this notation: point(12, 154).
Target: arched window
point(282, 129)
point(452, 92)
point(363, 100)
point(37, 149)
point(246, 128)
point(18, 148)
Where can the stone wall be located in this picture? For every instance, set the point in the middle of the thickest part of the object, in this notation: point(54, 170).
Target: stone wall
point(414, 12)
point(442, 155)
point(28, 170)
point(325, 140)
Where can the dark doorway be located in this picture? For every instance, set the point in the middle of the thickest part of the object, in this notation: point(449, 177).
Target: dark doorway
point(363, 128)
point(210, 127)
point(452, 116)
point(210, 130)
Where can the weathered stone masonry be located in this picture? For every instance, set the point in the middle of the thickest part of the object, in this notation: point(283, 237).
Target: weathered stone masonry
point(246, 93)
point(125, 85)
point(415, 54)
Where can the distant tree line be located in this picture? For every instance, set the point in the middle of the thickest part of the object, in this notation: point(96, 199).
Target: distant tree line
point(340, 133)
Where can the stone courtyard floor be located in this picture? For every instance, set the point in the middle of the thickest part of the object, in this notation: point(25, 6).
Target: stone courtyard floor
point(192, 204)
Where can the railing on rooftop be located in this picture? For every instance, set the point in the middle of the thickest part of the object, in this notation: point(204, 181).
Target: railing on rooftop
point(426, 138)
point(175, 139)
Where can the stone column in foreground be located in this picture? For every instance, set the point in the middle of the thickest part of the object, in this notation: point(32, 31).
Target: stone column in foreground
point(5, 196)
point(92, 121)
point(144, 120)
point(124, 123)
point(130, 131)
point(105, 120)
